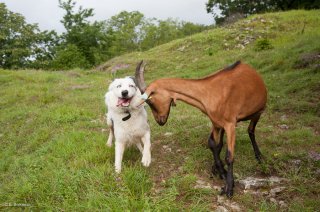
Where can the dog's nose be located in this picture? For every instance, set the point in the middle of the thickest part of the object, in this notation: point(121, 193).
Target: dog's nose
point(125, 93)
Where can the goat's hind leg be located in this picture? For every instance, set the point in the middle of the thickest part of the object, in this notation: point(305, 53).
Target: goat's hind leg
point(217, 134)
point(251, 130)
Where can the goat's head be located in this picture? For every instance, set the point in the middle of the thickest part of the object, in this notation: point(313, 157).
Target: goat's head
point(155, 96)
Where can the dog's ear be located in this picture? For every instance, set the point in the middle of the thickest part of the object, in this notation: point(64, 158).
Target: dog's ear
point(134, 79)
point(112, 85)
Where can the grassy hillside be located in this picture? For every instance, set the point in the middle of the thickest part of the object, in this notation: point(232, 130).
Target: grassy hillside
point(53, 134)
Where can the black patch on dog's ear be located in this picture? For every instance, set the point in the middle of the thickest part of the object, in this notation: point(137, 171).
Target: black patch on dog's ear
point(134, 79)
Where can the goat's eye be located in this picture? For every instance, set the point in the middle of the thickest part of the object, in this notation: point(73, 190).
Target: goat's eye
point(118, 86)
point(131, 86)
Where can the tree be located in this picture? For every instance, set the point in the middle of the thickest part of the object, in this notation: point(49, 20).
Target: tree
point(69, 57)
point(91, 39)
point(156, 32)
point(229, 8)
point(126, 29)
point(22, 44)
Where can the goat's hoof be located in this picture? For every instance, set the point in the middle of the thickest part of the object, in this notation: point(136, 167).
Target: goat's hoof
point(227, 192)
point(223, 190)
point(223, 176)
point(214, 171)
point(259, 159)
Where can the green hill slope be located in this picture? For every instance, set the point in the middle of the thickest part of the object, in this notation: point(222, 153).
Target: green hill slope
point(53, 135)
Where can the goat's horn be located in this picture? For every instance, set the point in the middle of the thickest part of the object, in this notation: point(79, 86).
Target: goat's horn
point(140, 77)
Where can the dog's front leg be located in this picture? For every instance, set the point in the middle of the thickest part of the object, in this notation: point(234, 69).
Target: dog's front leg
point(146, 154)
point(139, 145)
point(109, 142)
point(119, 149)
point(111, 133)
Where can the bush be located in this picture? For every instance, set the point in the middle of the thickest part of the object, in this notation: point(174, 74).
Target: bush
point(262, 44)
point(68, 58)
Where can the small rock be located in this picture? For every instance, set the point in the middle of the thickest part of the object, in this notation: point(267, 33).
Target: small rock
point(181, 49)
point(273, 180)
point(168, 134)
point(235, 207)
point(282, 204)
point(118, 67)
point(296, 162)
point(277, 190)
point(283, 117)
point(251, 182)
point(217, 188)
point(167, 148)
point(240, 46)
point(246, 42)
point(104, 130)
point(283, 126)
point(221, 199)
point(202, 184)
point(273, 200)
point(314, 155)
point(226, 202)
point(221, 209)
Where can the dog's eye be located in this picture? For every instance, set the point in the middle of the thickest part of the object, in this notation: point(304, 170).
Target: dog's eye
point(118, 86)
point(131, 86)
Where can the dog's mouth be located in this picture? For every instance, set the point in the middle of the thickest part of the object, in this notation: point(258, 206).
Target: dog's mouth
point(124, 102)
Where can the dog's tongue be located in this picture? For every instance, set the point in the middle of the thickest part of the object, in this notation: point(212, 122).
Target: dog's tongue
point(123, 102)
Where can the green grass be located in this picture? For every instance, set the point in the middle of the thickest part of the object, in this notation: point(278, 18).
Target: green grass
point(53, 154)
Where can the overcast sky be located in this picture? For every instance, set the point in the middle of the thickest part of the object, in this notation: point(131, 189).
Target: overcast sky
point(48, 15)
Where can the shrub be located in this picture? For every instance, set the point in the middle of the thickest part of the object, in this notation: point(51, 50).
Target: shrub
point(262, 44)
point(68, 58)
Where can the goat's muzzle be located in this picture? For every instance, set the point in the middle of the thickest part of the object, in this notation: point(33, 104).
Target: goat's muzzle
point(162, 120)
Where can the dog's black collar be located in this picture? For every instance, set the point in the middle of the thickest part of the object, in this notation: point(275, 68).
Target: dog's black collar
point(127, 117)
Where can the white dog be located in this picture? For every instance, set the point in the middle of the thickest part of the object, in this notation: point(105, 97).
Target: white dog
point(127, 120)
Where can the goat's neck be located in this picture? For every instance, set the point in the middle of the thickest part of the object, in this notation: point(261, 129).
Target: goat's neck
point(186, 90)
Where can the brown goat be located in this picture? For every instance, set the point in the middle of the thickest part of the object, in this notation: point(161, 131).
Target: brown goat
point(234, 94)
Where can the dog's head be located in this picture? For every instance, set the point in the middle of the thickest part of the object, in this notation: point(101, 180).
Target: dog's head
point(124, 89)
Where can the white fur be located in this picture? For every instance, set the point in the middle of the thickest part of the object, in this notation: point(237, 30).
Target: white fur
point(135, 130)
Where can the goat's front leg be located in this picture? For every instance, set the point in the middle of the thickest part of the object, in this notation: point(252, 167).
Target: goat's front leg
point(146, 154)
point(230, 130)
point(217, 134)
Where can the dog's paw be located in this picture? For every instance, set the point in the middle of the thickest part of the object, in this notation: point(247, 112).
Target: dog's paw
point(146, 160)
point(118, 170)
